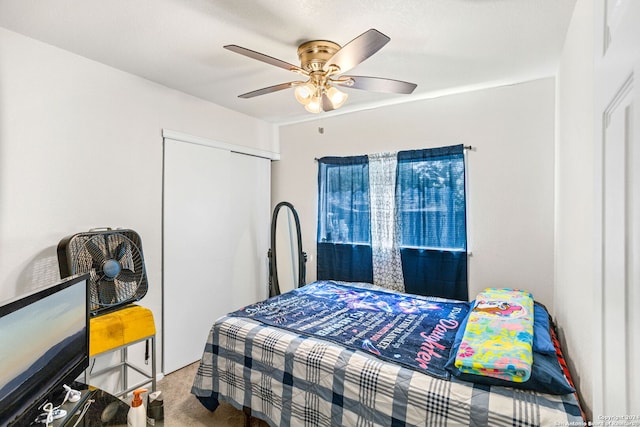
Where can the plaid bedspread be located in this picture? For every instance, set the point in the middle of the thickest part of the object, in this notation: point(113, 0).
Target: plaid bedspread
point(290, 380)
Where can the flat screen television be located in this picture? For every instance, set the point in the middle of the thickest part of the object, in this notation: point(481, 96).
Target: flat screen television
point(44, 344)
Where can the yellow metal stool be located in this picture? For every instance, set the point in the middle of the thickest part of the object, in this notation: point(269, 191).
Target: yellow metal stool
point(117, 331)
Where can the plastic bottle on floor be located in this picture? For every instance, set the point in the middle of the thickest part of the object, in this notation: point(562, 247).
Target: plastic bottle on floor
point(137, 416)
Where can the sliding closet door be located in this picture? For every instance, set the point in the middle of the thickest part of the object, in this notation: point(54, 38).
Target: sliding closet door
point(249, 223)
point(196, 253)
point(216, 237)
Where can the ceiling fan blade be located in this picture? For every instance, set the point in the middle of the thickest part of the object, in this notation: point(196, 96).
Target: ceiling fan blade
point(376, 84)
point(357, 50)
point(265, 58)
point(269, 89)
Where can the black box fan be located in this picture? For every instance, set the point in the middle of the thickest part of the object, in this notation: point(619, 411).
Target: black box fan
point(114, 260)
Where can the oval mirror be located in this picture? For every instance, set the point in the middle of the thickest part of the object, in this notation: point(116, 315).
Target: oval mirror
point(286, 258)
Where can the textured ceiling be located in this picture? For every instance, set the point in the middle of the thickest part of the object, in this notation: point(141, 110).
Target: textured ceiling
point(442, 45)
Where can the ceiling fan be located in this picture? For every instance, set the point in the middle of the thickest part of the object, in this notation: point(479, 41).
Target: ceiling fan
point(322, 62)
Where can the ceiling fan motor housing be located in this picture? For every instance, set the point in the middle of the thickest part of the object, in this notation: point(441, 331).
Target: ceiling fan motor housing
point(314, 54)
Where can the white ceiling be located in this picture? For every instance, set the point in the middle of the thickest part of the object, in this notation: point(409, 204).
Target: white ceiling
point(442, 45)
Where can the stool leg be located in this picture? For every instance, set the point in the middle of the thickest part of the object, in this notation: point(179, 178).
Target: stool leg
point(153, 363)
point(123, 358)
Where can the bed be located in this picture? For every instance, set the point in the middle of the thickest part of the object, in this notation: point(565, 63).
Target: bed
point(292, 367)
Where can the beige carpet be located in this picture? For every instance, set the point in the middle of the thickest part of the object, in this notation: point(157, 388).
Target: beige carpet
point(181, 408)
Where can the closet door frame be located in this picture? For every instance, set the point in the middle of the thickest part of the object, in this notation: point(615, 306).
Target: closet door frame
point(616, 321)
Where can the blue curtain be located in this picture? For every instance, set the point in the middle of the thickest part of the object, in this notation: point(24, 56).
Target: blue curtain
point(344, 237)
point(435, 273)
point(342, 261)
point(430, 201)
point(430, 197)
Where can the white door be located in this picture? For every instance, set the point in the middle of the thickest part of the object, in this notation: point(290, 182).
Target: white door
point(196, 254)
point(617, 117)
point(250, 205)
point(215, 240)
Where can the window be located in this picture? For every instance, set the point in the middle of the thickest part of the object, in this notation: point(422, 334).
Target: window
point(430, 198)
point(430, 228)
point(344, 200)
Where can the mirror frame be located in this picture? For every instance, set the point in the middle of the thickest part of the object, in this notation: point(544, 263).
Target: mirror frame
point(274, 285)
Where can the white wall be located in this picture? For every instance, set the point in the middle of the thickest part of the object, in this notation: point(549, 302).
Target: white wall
point(575, 198)
point(81, 147)
point(510, 172)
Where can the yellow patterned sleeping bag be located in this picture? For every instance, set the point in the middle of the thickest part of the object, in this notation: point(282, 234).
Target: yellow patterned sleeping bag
point(498, 338)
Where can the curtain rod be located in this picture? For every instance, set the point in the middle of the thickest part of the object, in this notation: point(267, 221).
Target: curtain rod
point(466, 147)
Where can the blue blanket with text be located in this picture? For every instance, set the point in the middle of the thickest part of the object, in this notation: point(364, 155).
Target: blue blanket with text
point(414, 331)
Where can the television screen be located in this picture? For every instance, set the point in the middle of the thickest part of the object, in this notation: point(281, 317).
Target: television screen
point(44, 340)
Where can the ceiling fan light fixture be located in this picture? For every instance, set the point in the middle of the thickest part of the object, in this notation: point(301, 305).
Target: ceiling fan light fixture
point(337, 97)
point(314, 105)
point(304, 93)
